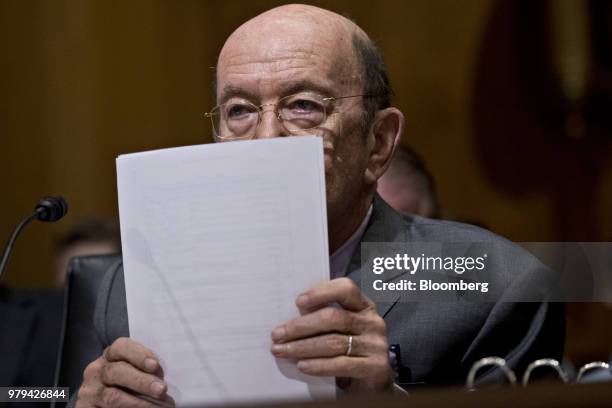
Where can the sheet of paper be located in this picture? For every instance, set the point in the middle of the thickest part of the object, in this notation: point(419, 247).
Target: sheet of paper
point(218, 241)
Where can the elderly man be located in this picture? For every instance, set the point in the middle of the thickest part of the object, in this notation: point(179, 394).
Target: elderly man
point(298, 70)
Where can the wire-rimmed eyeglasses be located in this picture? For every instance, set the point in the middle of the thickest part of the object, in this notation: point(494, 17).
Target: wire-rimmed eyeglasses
point(237, 119)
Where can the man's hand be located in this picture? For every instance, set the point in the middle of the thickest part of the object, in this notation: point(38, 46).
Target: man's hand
point(126, 375)
point(319, 339)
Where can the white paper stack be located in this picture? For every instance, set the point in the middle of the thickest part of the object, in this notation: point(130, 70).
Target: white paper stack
point(218, 241)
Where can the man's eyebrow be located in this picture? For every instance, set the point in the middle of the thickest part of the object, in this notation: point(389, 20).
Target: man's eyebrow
point(231, 90)
point(305, 86)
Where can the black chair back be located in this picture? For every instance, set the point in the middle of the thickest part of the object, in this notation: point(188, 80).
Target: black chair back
point(79, 344)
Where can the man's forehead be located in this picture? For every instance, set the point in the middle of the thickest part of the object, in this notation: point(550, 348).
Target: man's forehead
point(284, 44)
point(286, 73)
point(275, 52)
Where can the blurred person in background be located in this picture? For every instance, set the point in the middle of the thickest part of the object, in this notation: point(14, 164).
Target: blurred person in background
point(90, 236)
point(408, 186)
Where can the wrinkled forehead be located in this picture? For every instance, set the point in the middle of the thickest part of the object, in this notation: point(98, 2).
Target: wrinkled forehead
point(288, 47)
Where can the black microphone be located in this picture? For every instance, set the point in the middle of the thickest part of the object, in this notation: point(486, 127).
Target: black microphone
point(49, 209)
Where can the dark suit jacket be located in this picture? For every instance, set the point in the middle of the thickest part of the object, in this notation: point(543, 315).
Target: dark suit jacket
point(439, 341)
point(30, 322)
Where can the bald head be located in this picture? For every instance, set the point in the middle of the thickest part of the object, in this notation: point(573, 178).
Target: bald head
point(355, 58)
point(293, 30)
point(307, 22)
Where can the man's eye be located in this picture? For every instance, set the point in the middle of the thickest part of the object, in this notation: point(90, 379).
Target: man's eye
point(236, 111)
point(304, 105)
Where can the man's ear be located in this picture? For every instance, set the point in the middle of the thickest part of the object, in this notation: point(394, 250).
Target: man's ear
point(384, 135)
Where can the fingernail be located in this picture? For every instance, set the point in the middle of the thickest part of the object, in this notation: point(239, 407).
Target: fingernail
point(279, 333)
point(302, 301)
point(278, 349)
point(157, 388)
point(303, 365)
point(150, 364)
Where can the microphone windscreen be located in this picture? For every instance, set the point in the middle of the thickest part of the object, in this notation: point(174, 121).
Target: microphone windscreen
point(52, 208)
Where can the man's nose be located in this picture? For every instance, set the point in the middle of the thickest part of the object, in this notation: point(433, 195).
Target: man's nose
point(269, 125)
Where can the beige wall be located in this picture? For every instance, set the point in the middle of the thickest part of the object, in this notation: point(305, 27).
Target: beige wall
point(84, 81)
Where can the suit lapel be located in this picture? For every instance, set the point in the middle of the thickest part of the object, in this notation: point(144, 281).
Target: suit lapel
point(386, 225)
